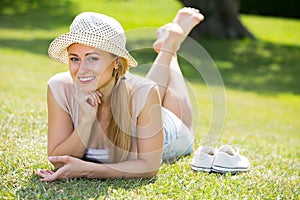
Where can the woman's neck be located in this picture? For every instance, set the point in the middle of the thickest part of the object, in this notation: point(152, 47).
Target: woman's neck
point(105, 106)
point(106, 92)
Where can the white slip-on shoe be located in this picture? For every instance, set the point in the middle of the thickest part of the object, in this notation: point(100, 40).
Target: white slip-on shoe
point(227, 160)
point(203, 159)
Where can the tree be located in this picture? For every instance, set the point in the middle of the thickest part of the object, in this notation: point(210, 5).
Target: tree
point(221, 19)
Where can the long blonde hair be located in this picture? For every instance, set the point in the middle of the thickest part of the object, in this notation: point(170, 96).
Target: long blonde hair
point(119, 128)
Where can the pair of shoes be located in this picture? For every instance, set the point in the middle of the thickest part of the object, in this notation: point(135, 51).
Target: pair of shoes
point(223, 160)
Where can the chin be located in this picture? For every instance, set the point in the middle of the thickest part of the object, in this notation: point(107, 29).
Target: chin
point(88, 89)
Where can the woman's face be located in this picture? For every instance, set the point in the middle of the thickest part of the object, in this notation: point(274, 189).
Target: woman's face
point(91, 68)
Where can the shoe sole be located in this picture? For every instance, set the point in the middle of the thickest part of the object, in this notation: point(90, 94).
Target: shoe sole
point(200, 169)
point(219, 169)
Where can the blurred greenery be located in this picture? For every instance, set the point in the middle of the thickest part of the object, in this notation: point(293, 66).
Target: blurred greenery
point(257, 65)
point(35, 14)
point(281, 8)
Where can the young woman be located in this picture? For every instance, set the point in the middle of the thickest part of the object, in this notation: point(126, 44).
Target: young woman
point(103, 121)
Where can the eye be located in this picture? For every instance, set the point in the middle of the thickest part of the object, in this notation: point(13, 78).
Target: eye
point(74, 59)
point(92, 58)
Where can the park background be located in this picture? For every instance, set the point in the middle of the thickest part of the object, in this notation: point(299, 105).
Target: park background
point(261, 79)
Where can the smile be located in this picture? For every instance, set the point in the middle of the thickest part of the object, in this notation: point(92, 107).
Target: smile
point(86, 79)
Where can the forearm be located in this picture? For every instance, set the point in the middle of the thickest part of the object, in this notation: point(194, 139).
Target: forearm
point(127, 169)
point(75, 145)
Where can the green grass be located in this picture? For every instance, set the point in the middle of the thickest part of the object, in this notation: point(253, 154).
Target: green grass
point(273, 29)
point(262, 107)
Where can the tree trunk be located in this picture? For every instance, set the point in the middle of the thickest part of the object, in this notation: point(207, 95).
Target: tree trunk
point(221, 19)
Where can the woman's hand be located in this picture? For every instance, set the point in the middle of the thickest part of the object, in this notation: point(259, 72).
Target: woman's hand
point(88, 102)
point(72, 168)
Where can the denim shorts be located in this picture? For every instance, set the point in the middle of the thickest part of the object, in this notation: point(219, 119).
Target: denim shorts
point(178, 138)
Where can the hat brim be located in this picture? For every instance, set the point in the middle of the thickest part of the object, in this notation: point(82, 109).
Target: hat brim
point(58, 47)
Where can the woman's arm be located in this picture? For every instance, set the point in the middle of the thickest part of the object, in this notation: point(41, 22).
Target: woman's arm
point(62, 138)
point(149, 147)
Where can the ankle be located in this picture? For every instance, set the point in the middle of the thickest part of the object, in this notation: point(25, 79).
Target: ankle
point(168, 52)
point(170, 46)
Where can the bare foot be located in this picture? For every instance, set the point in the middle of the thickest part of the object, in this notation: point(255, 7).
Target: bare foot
point(163, 32)
point(188, 18)
point(185, 20)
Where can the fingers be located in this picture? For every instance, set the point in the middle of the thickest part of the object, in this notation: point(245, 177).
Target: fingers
point(94, 98)
point(70, 169)
point(41, 173)
point(49, 177)
point(99, 95)
point(46, 175)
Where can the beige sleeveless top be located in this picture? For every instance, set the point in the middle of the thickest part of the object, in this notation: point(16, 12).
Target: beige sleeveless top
point(62, 88)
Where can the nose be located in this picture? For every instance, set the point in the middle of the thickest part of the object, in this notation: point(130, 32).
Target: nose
point(83, 67)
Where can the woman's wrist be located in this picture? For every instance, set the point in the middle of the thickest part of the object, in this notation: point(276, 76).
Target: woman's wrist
point(84, 130)
point(85, 169)
point(86, 121)
point(92, 170)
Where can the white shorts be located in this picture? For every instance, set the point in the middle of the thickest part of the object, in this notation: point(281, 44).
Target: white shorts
point(178, 138)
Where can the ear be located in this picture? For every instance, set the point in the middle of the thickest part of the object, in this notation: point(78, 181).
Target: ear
point(117, 63)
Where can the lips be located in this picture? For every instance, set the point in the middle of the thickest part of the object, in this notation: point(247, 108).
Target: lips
point(86, 79)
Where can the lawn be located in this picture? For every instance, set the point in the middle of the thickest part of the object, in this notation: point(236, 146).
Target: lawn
point(262, 102)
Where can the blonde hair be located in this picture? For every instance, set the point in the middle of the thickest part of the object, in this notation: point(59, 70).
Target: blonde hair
point(119, 128)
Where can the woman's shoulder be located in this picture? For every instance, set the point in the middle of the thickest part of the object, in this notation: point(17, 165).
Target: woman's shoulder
point(61, 78)
point(61, 84)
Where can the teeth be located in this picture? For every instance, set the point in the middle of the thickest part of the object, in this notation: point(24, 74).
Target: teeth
point(84, 79)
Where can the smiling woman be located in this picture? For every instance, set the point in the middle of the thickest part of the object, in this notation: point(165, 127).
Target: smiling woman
point(104, 122)
point(91, 67)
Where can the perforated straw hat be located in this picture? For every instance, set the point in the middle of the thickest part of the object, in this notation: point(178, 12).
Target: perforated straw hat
point(95, 30)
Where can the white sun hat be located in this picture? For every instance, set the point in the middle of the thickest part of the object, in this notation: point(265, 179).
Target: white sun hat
point(95, 30)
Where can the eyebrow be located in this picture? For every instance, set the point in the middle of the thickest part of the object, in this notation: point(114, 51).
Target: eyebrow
point(87, 54)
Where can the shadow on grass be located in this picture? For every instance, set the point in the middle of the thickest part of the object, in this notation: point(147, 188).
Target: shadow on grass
point(79, 188)
point(256, 65)
point(36, 46)
point(32, 15)
point(244, 65)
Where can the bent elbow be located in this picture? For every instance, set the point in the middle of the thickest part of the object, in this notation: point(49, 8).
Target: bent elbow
point(151, 174)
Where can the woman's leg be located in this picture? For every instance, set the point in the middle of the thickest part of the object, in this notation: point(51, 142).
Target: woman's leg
point(173, 89)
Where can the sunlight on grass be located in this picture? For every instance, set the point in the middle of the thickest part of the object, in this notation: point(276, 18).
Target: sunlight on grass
point(272, 29)
point(135, 13)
